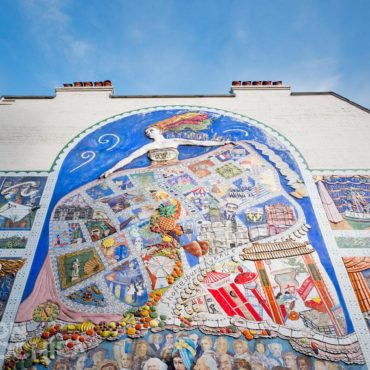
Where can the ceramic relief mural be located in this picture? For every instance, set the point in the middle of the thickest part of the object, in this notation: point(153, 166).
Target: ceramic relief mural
point(346, 200)
point(8, 271)
point(358, 269)
point(181, 239)
point(19, 200)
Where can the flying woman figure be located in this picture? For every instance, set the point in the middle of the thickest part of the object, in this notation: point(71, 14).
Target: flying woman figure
point(162, 150)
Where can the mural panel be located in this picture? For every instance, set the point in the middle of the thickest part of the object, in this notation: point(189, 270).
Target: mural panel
point(346, 200)
point(19, 200)
point(8, 271)
point(13, 240)
point(194, 225)
point(358, 269)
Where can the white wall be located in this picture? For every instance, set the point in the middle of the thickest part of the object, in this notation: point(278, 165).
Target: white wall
point(329, 132)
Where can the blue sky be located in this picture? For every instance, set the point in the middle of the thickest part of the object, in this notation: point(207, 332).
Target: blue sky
point(185, 46)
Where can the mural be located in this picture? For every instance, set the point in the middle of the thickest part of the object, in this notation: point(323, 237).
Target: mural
point(358, 269)
point(19, 200)
point(346, 200)
point(13, 240)
point(8, 271)
point(191, 232)
point(348, 242)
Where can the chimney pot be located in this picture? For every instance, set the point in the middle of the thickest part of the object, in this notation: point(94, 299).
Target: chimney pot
point(257, 83)
point(277, 83)
point(236, 83)
point(247, 83)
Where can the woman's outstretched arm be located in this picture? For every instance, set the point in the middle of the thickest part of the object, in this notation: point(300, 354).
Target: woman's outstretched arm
point(125, 161)
point(181, 141)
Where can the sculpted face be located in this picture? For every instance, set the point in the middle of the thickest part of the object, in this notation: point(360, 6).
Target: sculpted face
point(153, 364)
point(169, 338)
point(206, 343)
point(260, 348)
point(126, 360)
point(290, 361)
point(303, 365)
point(239, 348)
point(141, 349)
point(275, 349)
point(225, 362)
point(194, 337)
point(153, 132)
point(201, 365)
point(178, 363)
point(157, 338)
point(221, 345)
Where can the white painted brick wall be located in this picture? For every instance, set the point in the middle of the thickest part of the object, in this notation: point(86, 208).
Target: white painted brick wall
point(329, 132)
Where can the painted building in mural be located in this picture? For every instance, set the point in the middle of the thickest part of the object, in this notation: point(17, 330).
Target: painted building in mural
point(208, 232)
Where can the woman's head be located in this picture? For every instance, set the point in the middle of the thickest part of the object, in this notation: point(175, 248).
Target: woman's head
point(185, 349)
point(141, 348)
point(240, 347)
point(206, 343)
point(153, 132)
point(259, 346)
point(221, 345)
point(178, 362)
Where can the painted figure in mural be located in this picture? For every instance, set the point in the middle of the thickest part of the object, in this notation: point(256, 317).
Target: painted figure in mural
point(241, 364)
point(241, 349)
point(141, 354)
point(169, 341)
point(222, 346)
point(183, 354)
point(304, 363)
point(208, 361)
point(206, 343)
point(225, 362)
point(156, 344)
point(162, 149)
point(290, 360)
point(75, 275)
point(154, 364)
point(275, 351)
point(260, 354)
point(121, 353)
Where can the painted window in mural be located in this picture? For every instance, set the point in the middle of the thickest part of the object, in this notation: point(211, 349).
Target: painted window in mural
point(182, 239)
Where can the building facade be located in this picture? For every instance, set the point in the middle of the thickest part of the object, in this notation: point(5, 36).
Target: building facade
point(130, 219)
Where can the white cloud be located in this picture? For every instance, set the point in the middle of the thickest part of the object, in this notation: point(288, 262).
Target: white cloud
point(52, 30)
point(316, 74)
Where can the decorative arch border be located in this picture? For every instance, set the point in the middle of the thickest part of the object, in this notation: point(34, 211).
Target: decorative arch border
point(67, 148)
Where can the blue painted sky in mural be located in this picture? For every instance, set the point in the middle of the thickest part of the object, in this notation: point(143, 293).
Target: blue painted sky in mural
point(73, 175)
point(157, 47)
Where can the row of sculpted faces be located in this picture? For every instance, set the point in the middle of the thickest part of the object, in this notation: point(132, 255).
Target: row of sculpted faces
point(194, 351)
